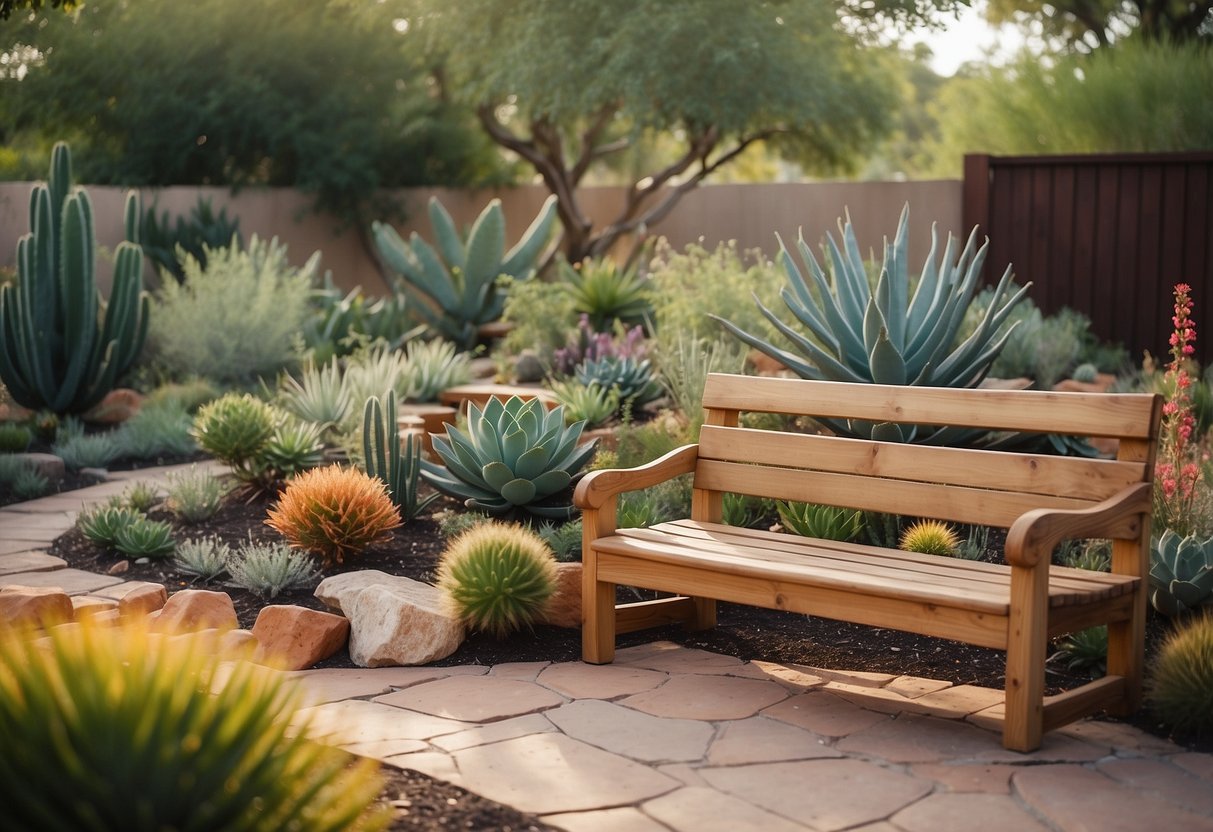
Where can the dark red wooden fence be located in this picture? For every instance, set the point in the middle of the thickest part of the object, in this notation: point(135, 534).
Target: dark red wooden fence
point(1107, 235)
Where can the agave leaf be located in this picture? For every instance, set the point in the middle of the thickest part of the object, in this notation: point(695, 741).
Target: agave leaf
point(495, 505)
point(513, 445)
point(1187, 593)
point(462, 462)
point(549, 482)
point(447, 235)
point(519, 491)
point(497, 475)
point(580, 457)
point(832, 327)
point(888, 432)
point(826, 365)
point(434, 279)
point(852, 297)
point(783, 356)
point(534, 462)
point(486, 243)
point(528, 247)
point(896, 263)
point(554, 512)
point(885, 362)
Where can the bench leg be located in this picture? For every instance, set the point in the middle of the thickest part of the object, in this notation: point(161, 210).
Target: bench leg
point(1127, 639)
point(598, 621)
point(704, 617)
point(1027, 640)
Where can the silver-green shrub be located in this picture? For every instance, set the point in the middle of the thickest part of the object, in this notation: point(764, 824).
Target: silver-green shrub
point(95, 450)
point(235, 320)
point(194, 496)
point(267, 569)
point(205, 557)
point(161, 430)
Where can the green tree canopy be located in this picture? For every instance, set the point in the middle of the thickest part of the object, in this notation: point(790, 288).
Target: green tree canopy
point(564, 85)
point(1134, 97)
point(1093, 23)
point(7, 7)
point(322, 97)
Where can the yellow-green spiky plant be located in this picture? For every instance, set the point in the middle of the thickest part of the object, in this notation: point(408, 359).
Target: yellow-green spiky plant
point(1181, 685)
point(930, 537)
point(118, 729)
point(497, 577)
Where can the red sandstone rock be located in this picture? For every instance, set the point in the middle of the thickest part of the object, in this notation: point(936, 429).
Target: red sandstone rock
point(564, 607)
point(142, 598)
point(117, 406)
point(192, 610)
point(32, 606)
point(295, 638)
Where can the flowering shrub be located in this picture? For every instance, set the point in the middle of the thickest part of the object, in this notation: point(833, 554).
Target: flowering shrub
point(588, 345)
point(1181, 498)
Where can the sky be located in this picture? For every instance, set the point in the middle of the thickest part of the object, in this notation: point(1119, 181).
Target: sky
point(967, 39)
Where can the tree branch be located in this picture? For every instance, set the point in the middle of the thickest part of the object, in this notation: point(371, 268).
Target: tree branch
point(590, 149)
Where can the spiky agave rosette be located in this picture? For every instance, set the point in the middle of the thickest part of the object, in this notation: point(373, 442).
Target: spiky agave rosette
point(514, 455)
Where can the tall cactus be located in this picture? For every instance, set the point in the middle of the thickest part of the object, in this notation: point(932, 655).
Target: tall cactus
point(453, 288)
point(61, 347)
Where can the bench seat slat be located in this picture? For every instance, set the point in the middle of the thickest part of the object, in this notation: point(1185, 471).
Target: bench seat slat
point(854, 572)
point(945, 502)
point(1087, 479)
point(1066, 585)
point(1079, 414)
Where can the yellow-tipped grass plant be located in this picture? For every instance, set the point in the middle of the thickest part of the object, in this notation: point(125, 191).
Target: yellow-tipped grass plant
point(115, 728)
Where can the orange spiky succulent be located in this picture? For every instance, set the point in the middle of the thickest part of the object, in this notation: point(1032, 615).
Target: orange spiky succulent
point(334, 512)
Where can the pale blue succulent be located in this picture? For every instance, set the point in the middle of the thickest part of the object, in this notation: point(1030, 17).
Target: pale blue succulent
point(1181, 573)
point(515, 455)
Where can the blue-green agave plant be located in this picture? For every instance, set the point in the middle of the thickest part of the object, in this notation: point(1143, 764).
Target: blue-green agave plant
point(454, 288)
point(515, 455)
point(1181, 573)
point(885, 335)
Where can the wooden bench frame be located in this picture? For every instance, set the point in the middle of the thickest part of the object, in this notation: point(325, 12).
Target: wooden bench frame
point(1042, 500)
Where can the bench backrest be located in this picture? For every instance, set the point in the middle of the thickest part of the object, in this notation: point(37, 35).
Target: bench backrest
point(961, 485)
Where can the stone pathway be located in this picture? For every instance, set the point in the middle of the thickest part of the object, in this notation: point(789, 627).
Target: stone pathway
point(671, 738)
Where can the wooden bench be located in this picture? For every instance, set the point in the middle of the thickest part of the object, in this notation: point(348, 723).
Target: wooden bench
point(1016, 606)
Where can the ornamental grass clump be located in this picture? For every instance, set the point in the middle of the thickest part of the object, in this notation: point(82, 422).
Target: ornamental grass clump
point(1180, 689)
point(267, 569)
point(931, 537)
point(195, 496)
point(334, 512)
point(204, 557)
point(497, 577)
point(113, 728)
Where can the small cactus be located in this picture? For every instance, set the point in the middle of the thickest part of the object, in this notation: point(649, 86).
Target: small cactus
point(497, 577)
point(1086, 373)
point(931, 537)
point(1181, 684)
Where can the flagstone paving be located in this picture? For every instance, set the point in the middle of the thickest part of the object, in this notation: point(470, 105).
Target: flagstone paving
point(672, 738)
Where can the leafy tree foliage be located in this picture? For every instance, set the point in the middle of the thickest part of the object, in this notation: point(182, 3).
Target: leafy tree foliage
point(566, 85)
point(1134, 97)
point(7, 7)
point(323, 97)
point(1092, 23)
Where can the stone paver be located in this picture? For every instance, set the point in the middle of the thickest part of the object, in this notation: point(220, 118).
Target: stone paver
point(577, 680)
point(912, 687)
point(1076, 799)
point(973, 777)
point(791, 677)
point(333, 685)
point(547, 773)
point(474, 699)
point(1162, 780)
point(506, 729)
point(762, 740)
point(523, 671)
point(674, 658)
point(707, 810)
point(707, 697)
point(919, 739)
point(16, 524)
point(71, 581)
point(12, 546)
point(824, 714)
point(990, 812)
point(825, 794)
point(1199, 764)
point(436, 765)
point(632, 733)
point(355, 721)
point(623, 819)
point(30, 562)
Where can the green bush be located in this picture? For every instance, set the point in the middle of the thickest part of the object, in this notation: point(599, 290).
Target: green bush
point(539, 317)
point(187, 395)
point(497, 578)
point(165, 244)
point(235, 320)
point(606, 293)
point(157, 430)
point(234, 428)
point(1085, 650)
point(93, 451)
point(110, 728)
point(563, 539)
point(14, 438)
point(1180, 688)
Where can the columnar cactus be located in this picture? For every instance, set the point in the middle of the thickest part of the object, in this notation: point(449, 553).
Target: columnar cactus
point(61, 347)
point(454, 288)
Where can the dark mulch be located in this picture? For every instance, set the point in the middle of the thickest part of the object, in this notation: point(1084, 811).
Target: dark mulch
point(420, 803)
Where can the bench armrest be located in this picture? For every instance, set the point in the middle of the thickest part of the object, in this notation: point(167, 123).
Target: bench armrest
point(598, 486)
point(1033, 536)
